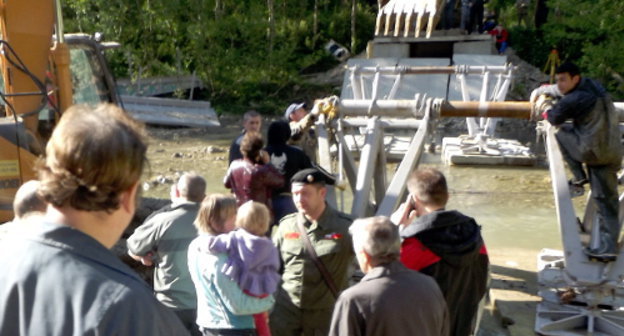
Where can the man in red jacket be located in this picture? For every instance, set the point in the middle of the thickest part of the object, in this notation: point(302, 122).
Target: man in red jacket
point(444, 244)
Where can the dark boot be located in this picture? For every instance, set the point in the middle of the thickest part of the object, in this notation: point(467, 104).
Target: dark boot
point(577, 187)
point(607, 251)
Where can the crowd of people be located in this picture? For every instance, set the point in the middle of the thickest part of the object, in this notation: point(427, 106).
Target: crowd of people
point(272, 258)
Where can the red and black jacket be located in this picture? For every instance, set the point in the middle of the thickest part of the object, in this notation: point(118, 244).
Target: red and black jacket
point(448, 246)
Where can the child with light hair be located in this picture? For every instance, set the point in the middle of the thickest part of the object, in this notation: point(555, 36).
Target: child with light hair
point(253, 261)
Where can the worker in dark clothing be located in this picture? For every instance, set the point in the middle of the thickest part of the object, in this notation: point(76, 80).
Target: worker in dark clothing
point(448, 16)
point(252, 122)
point(444, 244)
point(288, 160)
point(476, 16)
point(593, 139)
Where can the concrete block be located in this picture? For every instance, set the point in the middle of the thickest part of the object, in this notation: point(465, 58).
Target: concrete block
point(400, 50)
point(474, 47)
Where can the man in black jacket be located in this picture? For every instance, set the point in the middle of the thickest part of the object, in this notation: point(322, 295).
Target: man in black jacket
point(252, 122)
point(593, 139)
point(444, 244)
point(288, 160)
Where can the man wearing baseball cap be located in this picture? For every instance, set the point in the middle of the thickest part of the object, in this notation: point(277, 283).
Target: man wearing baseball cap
point(302, 134)
point(316, 253)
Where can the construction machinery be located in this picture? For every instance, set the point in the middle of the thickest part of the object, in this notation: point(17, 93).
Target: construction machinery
point(43, 73)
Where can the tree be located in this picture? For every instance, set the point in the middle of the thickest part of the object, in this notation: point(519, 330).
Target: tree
point(590, 33)
point(247, 53)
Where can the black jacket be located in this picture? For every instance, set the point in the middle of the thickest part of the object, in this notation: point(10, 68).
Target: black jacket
point(287, 159)
point(449, 247)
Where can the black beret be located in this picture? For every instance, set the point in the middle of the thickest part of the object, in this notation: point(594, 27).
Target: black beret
point(313, 175)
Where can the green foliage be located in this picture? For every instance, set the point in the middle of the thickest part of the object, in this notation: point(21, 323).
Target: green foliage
point(589, 33)
point(529, 44)
point(226, 43)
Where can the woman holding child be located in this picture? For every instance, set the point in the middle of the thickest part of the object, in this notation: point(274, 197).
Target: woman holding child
point(229, 290)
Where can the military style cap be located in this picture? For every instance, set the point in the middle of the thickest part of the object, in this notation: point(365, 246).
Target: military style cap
point(313, 175)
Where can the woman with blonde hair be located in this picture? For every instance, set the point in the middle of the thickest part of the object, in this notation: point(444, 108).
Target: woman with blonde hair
point(223, 308)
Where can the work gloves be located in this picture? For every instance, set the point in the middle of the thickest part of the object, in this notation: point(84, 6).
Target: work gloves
point(540, 105)
point(327, 106)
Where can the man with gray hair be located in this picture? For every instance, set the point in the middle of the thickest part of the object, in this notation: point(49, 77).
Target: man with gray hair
point(390, 299)
point(163, 241)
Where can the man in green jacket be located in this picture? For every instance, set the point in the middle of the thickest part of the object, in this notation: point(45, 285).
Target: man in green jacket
point(305, 300)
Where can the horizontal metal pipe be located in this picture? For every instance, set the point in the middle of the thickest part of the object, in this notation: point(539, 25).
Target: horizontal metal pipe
point(386, 123)
point(410, 108)
point(387, 108)
point(518, 110)
point(424, 70)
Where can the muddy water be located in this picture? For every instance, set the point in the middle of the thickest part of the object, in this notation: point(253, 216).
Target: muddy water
point(514, 205)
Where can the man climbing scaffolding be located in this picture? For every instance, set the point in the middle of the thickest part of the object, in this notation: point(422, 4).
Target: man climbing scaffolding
point(593, 139)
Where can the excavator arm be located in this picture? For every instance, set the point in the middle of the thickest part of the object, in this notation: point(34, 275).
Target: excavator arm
point(42, 75)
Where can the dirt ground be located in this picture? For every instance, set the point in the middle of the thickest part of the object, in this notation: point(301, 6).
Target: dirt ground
point(176, 150)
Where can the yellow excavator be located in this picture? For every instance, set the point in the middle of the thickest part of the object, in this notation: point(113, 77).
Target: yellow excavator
point(43, 72)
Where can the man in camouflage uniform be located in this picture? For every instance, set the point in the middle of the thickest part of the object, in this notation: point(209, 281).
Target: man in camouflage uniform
point(304, 302)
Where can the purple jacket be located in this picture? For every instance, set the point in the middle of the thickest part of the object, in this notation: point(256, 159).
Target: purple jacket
point(253, 261)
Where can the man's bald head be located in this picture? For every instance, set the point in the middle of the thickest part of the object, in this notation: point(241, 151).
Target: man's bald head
point(192, 187)
point(27, 201)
